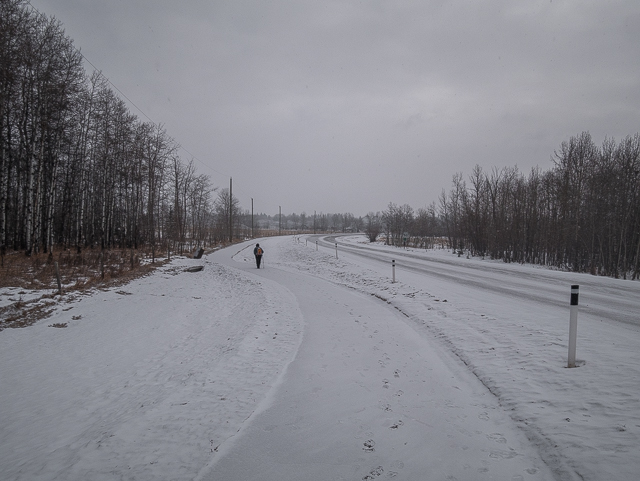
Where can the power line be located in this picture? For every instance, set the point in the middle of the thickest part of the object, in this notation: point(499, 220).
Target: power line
point(131, 101)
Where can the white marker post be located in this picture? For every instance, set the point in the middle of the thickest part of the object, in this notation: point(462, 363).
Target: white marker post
point(316, 245)
point(573, 325)
point(393, 270)
point(336, 250)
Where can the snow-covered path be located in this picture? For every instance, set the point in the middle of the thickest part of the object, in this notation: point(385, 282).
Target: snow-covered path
point(367, 396)
point(585, 422)
point(319, 368)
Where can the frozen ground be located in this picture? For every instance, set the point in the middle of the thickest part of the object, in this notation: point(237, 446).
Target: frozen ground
point(315, 368)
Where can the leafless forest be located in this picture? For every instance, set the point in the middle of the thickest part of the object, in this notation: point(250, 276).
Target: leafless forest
point(79, 170)
point(583, 214)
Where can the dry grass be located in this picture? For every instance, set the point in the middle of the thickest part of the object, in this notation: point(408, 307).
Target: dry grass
point(78, 272)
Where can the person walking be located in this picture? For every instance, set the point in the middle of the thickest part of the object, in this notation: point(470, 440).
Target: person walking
point(257, 251)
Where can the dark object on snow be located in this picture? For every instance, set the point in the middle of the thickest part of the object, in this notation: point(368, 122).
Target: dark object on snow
point(198, 253)
point(194, 269)
point(258, 252)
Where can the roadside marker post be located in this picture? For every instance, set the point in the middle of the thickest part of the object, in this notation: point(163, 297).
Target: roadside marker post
point(316, 245)
point(336, 250)
point(393, 270)
point(573, 325)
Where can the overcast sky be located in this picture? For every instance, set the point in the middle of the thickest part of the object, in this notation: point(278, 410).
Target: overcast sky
point(345, 106)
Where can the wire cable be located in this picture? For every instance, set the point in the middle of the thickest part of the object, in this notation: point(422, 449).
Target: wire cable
point(134, 104)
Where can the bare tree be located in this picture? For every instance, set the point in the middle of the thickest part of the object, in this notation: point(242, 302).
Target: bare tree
point(373, 225)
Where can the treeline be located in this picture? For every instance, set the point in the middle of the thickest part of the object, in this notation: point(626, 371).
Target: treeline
point(77, 168)
point(401, 226)
point(303, 222)
point(583, 214)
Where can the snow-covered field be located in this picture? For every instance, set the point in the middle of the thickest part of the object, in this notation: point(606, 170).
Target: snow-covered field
point(313, 368)
point(147, 380)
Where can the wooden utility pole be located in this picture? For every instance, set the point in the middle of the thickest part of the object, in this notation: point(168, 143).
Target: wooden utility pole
point(279, 220)
point(252, 235)
point(231, 209)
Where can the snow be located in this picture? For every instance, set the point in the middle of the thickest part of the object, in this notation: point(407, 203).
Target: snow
point(9, 295)
point(146, 380)
point(318, 368)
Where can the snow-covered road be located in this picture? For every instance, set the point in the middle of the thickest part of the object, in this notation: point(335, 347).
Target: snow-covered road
point(321, 368)
point(603, 298)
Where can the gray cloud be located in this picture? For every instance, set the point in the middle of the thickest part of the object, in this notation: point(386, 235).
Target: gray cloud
point(345, 106)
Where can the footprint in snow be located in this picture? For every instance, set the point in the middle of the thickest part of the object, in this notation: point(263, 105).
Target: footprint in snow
point(503, 454)
point(497, 437)
point(374, 473)
point(369, 446)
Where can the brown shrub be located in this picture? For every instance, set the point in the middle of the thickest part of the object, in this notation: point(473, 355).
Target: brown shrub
point(78, 272)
